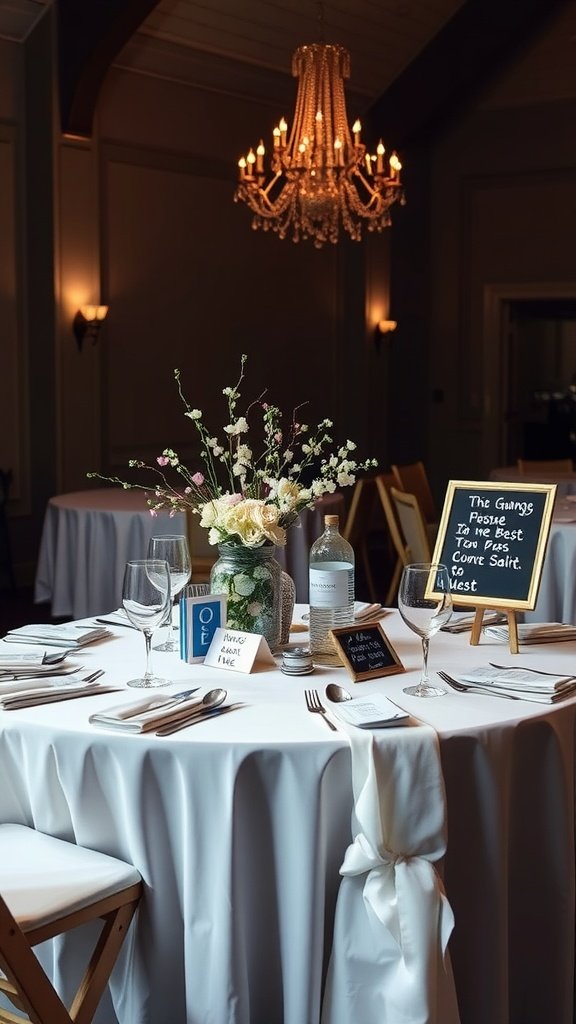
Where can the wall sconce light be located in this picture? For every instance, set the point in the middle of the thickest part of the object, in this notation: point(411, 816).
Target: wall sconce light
point(87, 323)
point(383, 327)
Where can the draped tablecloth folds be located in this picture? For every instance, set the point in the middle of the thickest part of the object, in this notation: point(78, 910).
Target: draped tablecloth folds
point(391, 897)
point(295, 874)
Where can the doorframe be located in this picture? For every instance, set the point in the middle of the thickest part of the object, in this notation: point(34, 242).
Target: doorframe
point(496, 321)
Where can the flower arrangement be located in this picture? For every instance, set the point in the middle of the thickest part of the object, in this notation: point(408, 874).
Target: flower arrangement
point(243, 496)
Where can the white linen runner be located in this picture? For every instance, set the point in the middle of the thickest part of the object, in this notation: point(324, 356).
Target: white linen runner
point(389, 961)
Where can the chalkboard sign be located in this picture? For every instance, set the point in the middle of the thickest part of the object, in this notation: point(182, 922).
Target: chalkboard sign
point(366, 651)
point(492, 537)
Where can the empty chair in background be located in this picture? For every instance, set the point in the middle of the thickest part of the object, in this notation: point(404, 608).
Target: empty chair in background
point(48, 887)
point(412, 525)
point(384, 484)
point(412, 478)
point(372, 530)
point(357, 527)
point(538, 466)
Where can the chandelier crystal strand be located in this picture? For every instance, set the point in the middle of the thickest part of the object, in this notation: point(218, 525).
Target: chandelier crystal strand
point(322, 177)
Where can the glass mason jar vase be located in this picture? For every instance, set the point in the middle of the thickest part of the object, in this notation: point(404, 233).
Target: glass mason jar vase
point(250, 579)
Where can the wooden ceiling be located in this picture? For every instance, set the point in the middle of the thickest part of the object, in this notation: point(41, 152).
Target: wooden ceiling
point(412, 61)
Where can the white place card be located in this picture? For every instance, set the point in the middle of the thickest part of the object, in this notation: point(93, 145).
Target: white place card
point(236, 651)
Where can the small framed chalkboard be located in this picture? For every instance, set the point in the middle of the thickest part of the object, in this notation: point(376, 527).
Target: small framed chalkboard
point(492, 538)
point(366, 651)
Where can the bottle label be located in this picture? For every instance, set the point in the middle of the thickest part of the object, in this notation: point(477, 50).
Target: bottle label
point(329, 584)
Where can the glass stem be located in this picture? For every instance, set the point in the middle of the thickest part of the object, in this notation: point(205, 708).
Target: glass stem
point(148, 641)
point(425, 645)
point(170, 639)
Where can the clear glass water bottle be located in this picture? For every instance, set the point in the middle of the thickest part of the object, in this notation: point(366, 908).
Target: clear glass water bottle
point(331, 590)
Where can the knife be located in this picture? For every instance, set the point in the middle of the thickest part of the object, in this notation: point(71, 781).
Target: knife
point(194, 717)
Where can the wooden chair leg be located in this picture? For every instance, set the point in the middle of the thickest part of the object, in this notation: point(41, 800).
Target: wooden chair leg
point(394, 583)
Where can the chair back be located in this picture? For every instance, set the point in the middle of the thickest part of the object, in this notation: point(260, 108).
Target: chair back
point(412, 525)
point(358, 525)
point(413, 479)
point(543, 466)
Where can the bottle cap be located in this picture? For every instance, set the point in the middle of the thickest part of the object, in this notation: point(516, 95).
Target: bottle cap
point(331, 520)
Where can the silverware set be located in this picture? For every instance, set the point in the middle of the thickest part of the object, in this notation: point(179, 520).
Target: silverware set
point(471, 688)
point(314, 704)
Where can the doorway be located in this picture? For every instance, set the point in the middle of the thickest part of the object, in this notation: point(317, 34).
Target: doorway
point(529, 372)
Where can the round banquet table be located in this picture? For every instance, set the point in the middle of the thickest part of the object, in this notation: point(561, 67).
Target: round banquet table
point(565, 482)
point(239, 827)
point(88, 536)
point(557, 592)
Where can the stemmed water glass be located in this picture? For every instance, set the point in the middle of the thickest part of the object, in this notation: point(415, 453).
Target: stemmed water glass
point(425, 604)
point(173, 548)
point(145, 597)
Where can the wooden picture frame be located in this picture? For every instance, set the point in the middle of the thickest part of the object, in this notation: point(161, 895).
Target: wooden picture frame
point(493, 537)
point(366, 651)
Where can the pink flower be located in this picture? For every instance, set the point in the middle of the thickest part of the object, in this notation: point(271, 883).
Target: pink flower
point(198, 479)
point(278, 437)
point(231, 499)
point(162, 460)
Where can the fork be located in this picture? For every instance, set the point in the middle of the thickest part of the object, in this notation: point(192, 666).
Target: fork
point(474, 689)
point(313, 704)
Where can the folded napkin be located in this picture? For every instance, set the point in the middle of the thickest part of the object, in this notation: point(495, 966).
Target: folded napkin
point(374, 712)
point(529, 684)
point(146, 715)
point(534, 632)
point(363, 611)
point(461, 622)
point(28, 698)
point(31, 665)
point(68, 635)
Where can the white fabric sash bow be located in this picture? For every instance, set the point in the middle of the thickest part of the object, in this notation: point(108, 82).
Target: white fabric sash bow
point(390, 963)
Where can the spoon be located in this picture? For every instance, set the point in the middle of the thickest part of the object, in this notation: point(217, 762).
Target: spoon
point(210, 700)
point(337, 693)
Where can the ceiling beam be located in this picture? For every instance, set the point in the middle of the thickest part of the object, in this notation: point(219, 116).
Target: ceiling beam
point(90, 34)
point(481, 39)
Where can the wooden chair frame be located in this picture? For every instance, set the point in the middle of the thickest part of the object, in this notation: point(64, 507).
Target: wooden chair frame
point(27, 985)
point(408, 505)
point(412, 478)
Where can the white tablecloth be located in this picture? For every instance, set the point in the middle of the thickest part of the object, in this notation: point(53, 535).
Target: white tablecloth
point(557, 593)
point(240, 825)
point(565, 482)
point(88, 536)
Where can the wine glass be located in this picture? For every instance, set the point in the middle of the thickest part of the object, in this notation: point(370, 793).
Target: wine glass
point(145, 597)
point(173, 548)
point(425, 604)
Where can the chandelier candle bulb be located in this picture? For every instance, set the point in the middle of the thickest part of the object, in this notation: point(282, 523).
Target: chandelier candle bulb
point(331, 590)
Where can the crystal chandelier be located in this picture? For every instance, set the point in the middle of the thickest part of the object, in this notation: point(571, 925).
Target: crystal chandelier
point(322, 177)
